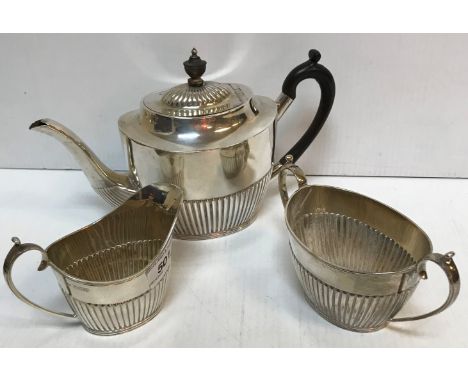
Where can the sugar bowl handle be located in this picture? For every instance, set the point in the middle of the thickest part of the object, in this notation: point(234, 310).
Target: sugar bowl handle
point(16, 251)
point(310, 69)
point(448, 266)
point(296, 171)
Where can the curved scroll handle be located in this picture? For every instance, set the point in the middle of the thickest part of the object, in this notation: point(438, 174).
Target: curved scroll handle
point(448, 266)
point(16, 251)
point(296, 171)
point(309, 69)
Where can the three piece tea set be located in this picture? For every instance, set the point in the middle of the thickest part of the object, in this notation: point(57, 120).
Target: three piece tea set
point(200, 157)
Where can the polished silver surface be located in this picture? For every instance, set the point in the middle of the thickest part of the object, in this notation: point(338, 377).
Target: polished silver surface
point(214, 140)
point(187, 135)
point(283, 101)
point(114, 272)
point(360, 313)
point(189, 101)
point(236, 172)
point(115, 188)
point(216, 217)
point(204, 174)
point(357, 259)
point(234, 159)
point(196, 98)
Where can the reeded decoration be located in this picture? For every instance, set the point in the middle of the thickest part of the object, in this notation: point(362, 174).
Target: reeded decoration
point(189, 101)
point(352, 245)
point(114, 272)
point(214, 140)
point(357, 259)
point(220, 216)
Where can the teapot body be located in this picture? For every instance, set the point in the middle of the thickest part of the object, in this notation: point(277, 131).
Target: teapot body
point(214, 140)
point(223, 180)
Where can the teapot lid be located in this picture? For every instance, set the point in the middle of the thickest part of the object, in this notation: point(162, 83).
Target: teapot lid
point(198, 115)
point(197, 97)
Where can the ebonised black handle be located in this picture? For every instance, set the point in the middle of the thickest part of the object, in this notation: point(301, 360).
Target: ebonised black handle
point(310, 69)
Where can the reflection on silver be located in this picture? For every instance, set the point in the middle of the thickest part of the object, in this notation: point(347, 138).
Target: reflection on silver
point(350, 244)
point(283, 101)
point(214, 140)
point(172, 168)
point(113, 272)
point(234, 159)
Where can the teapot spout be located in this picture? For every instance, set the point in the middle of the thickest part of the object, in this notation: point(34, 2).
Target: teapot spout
point(113, 187)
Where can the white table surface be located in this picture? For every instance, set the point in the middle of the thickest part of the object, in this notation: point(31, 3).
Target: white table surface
point(238, 291)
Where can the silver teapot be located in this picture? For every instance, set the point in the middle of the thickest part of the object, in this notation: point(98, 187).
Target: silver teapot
point(214, 140)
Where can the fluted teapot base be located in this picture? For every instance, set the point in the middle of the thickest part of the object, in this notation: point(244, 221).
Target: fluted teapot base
point(222, 216)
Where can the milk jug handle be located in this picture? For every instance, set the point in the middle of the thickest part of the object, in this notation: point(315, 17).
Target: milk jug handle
point(15, 252)
point(450, 269)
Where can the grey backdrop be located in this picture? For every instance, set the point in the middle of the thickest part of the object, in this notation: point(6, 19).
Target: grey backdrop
point(401, 107)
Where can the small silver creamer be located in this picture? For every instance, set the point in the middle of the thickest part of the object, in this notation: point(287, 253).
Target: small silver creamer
point(114, 272)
